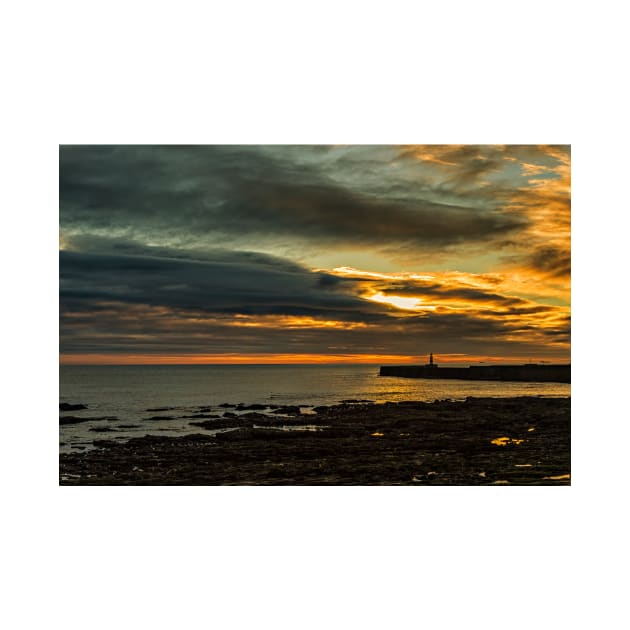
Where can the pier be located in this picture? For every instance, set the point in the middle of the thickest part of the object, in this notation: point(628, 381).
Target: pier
point(534, 372)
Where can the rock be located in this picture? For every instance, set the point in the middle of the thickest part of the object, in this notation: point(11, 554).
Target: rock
point(72, 420)
point(355, 400)
point(254, 407)
point(70, 407)
point(229, 414)
point(227, 405)
point(76, 420)
point(419, 446)
point(101, 429)
point(103, 443)
point(289, 410)
point(202, 415)
point(160, 409)
point(160, 418)
point(206, 424)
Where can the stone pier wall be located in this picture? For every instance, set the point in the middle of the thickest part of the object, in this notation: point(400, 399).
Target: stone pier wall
point(535, 373)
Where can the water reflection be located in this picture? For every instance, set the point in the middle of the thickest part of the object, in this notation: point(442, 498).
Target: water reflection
point(504, 441)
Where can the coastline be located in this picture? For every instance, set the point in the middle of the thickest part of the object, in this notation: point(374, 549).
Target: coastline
point(480, 441)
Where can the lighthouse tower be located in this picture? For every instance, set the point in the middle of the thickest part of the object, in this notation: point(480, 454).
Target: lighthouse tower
point(430, 364)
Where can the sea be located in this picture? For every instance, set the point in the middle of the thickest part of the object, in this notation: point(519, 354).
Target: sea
point(136, 400)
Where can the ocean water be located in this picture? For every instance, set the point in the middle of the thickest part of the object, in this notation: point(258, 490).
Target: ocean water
point(125, 394)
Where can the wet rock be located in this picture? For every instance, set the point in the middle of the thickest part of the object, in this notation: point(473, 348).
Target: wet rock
point(70, 407)
point(160, 409)
point(72, 420)
point(101, 429)
point(205, 424)
point(322, 409)
point(227, 405)
point(254, 416)
point(76, 419)
point(202, 415)
point(289, 410)
point(103, 443)
point(229, 414)
point(418, 445)
point(254, 407)
point(355, 400)
point(160, 418)
point(236, 435)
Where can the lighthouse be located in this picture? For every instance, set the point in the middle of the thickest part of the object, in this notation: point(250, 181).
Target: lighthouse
point(430, 364)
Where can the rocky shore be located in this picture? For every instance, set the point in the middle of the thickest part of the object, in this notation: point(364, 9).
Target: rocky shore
point(480, 441)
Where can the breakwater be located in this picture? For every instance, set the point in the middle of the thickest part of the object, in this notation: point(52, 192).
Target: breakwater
point(526, 372)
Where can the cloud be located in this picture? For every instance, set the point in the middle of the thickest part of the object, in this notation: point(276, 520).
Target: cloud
point(222, 281)
point(160, 300)
point(555, 261)
point(188, 249)
point(189, 195)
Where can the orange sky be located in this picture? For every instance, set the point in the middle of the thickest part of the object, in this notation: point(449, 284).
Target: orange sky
point(290, 254)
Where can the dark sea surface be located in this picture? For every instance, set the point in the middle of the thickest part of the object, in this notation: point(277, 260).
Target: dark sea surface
point(122, 399)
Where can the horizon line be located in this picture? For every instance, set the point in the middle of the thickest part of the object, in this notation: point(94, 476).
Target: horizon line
point(311, 363)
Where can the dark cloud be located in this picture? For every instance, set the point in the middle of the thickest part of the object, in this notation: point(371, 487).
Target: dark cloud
point(552, 260)
point(224, 281)
point(193, 194)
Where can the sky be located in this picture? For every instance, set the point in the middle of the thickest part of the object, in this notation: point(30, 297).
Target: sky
point(314, 254)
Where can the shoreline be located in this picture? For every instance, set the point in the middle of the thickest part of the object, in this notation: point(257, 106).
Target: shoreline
point(480, 441)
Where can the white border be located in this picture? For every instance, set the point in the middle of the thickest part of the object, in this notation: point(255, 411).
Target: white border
point(281, 72)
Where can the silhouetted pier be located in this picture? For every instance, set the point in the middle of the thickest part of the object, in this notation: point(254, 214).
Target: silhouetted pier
point(527, 372)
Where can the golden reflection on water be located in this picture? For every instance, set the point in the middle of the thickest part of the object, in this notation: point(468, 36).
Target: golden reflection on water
point(377, 434)
point(558, 477)
point(503, 441)
point(531, 429)
point(523, 465)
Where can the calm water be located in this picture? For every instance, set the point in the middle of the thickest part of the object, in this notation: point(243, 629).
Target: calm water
point(127, 392)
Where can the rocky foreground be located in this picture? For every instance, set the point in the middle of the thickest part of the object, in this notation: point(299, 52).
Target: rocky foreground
point(481, 441)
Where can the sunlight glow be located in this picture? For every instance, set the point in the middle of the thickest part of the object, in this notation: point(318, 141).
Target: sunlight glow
point(406, 303)
point(291, 321)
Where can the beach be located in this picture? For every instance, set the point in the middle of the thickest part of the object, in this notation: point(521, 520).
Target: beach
point(521, 440)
